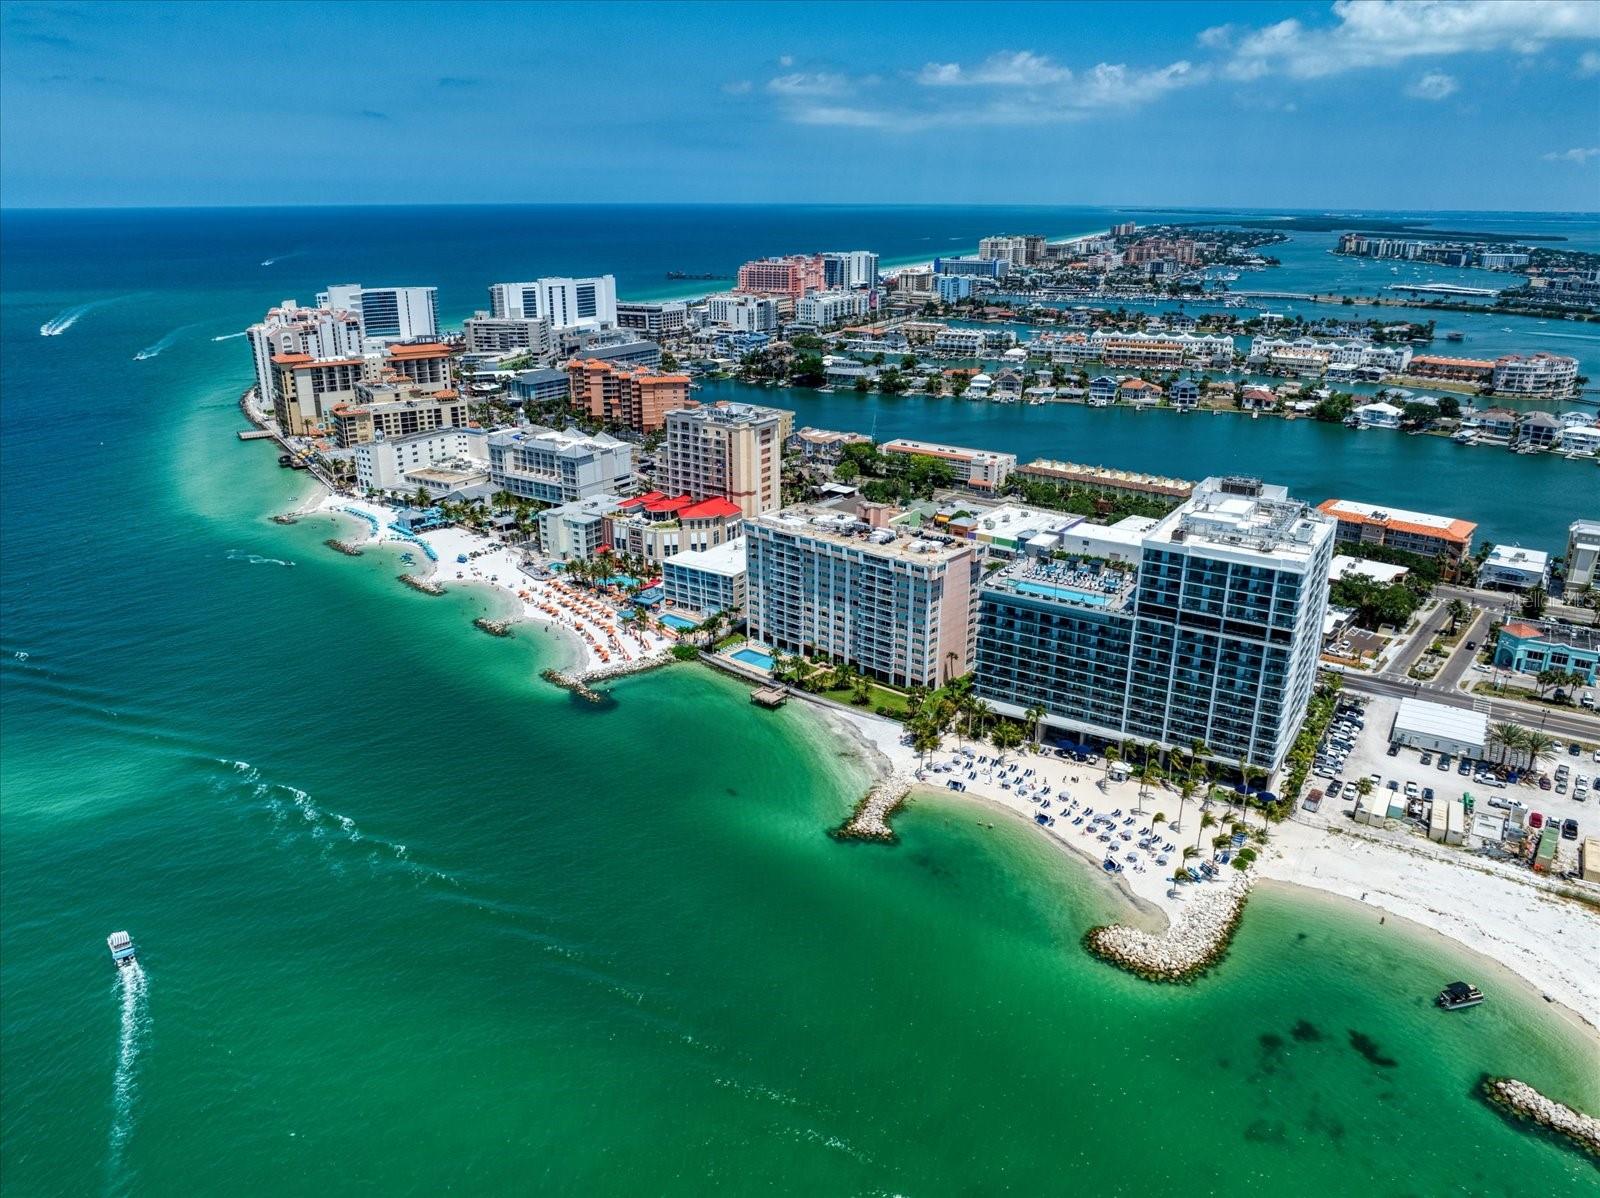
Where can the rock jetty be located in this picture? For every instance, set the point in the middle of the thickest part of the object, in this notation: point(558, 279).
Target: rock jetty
point(344, 547)
point(286, 518)
point(492, 627)
point(426, 586)
point(1521, 1099)
point(573, 683)
point(618, 669)
point(1197, 939)
point(870, 819)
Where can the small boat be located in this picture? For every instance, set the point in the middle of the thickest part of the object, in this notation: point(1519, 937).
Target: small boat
point(121, 946)
point(1454, 336)
point(1457, 995)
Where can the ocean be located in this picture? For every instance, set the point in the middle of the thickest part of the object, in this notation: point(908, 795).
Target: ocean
point(412, 921)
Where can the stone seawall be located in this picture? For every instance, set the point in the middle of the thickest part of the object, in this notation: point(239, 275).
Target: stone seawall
point(1522, 1100)
point(1195, 942)
point(424, 585)
point(493, 627)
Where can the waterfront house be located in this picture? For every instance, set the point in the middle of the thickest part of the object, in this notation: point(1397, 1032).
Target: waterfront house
point(980, 386)
point(1102, 391)
point(1497, 422)
point(1539, 429)
point(1579, 438)
point(1574, 418)
point(1378, 415)
point(1008, 386)
point(1185, 394)
point(1139, 392)
point(1258, 399)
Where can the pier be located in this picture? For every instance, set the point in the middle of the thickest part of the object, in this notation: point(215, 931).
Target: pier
point(770, 697)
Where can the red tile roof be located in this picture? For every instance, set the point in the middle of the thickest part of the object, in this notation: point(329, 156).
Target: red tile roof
point(714, 508)
point(1523, 631)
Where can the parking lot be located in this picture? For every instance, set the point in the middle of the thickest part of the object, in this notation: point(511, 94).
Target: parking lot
point(1369, 756)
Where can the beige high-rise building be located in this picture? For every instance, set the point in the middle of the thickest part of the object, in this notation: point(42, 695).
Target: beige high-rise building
point(733, 450)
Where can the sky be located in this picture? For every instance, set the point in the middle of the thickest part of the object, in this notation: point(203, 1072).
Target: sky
point(1400, 104)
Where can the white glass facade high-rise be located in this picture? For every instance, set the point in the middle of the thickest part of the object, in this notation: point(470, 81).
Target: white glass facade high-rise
point(589, 303)
point(387, 314)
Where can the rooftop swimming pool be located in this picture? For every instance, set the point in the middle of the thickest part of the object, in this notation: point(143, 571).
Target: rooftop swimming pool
point(678, 622)
point(753, 657)
point(1047, 590)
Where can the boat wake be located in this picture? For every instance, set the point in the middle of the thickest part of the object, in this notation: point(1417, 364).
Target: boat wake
point(227, 336)
point(277, 258)
point(63, 321)
point(295, 816)
point(133, 990)
point(165, 343)
point(255, 559)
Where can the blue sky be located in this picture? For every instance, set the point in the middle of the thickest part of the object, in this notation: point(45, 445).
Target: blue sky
point(1452, 104)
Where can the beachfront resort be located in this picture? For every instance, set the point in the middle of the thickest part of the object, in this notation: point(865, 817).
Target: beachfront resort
point(1181, 680)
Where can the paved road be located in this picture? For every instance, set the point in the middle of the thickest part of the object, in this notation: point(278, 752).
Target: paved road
point(1461, 660)
point(1558, 723)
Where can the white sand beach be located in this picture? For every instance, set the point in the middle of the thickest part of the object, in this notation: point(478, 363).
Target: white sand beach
point(592, 622)
point(1501, 910)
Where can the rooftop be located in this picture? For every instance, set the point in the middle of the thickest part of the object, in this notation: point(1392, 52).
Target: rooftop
point(726, 413)
point(931, 449)
point(726, 558)
point(1574, 636)
point(1075, 582)
point(828, 524)
point(1435, 719)
point(1245, 515)
point(1399, 519)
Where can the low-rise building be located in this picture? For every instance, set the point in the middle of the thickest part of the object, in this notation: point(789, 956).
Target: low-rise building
point(559, 465)
point(743, 313)
point(1378, 414)
point(1531, 647)
point(575, 530)
point(1439, 728)
point(980, 469)
point(395, 410)
point(1116, 348)
point(1107, 481)
point(824, 445)
point(1461, 370)
point(383, 465)
point(494, 334)
point(822, 309)
point(1512, 568)
point(706, 580)
point(658, 527)
point(1414, 532)
point(1535, 374)
point(666, 318)
point(540, 386)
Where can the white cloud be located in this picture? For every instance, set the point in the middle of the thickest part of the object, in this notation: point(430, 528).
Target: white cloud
point(786, 60)
point(1384, 32)
point(1435, 85)
point(1578, 155)
point(738, 87)
point(996, 93)
point(1009, 68)
point(809, 83)
point(1218, 37)
point(1588, 63)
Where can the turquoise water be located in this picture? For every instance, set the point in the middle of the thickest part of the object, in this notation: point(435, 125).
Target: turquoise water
point(752, 657)
point(412, 921)
point(1048, 591)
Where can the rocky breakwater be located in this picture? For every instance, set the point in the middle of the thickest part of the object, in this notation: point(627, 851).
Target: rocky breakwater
point(1194, 942)
point(338, 546)
point(870, 819)
point(1521, 1099)
point(493, 627)
point(618, 669)
point(425, 585)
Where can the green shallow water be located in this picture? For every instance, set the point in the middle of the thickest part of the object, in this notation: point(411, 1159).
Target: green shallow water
point(412, 921)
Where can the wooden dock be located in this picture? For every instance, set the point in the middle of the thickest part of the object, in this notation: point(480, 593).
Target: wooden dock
point(770, 697)
point(255, 434)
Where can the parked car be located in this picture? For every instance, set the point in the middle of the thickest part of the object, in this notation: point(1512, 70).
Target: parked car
point(1412, 790)
point(1464, 767)
point(1394, 750)
point(1335, 787)
point(1575, 750)
point(1472, 644)
point(1393, 784)
point(1535, 819)
point(1443, 765)
point(1587, 701)
point(1427, 759)
point(1544, 783)
point(1377, 779)
point(1569, 829)
point(1427, 793)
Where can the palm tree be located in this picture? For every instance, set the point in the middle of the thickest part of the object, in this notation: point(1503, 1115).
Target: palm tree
point(1206, 821)
point(1364, 787)
point(1510, 737)
point(1457, 611)
point(1035, 716)
point(1112, 756)
point(1185, 793)
point(1537, 746)
point(1006, 735)
point(924, 740)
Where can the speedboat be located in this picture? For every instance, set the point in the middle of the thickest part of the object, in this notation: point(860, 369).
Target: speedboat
point(121, 946)
point(1457, 995)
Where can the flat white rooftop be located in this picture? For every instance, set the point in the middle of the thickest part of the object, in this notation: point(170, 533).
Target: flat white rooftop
point(1435, 719)
point(727, 558)
point(1384, 572)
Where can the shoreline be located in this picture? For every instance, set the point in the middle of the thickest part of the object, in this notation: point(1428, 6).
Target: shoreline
point(1546, 946)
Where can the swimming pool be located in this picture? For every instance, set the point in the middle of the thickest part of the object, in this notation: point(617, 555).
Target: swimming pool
point(753, 657)
point(1047, 591)
point(678, 622)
